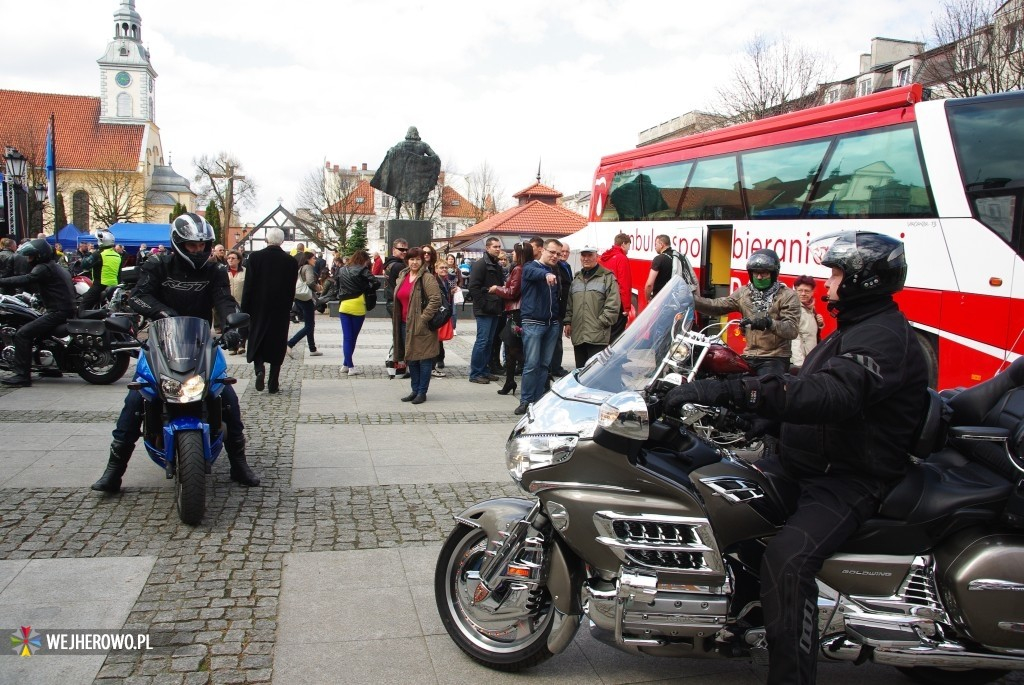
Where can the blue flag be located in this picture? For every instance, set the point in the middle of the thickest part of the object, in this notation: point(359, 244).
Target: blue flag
point(51, 167)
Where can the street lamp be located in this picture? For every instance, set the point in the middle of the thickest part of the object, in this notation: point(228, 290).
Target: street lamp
point(40, 190)
point(14, 172)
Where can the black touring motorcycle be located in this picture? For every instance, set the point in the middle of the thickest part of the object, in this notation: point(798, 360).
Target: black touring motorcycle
point(650, 528)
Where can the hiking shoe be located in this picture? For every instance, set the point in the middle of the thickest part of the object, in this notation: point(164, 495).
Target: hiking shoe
point(482, 380)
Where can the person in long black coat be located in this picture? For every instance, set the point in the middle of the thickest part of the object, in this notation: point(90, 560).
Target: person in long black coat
point(267, 299)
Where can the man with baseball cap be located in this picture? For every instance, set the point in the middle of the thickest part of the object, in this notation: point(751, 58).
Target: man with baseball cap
point(592, 308)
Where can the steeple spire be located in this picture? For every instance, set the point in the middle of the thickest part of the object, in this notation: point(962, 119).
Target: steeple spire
point(127, 22)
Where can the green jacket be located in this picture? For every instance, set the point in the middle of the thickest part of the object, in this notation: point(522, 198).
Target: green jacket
point(593, 307)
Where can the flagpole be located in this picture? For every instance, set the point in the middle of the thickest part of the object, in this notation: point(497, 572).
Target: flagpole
point(51, 172)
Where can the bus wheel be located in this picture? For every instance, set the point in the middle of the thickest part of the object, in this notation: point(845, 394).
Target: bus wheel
point(931, 357)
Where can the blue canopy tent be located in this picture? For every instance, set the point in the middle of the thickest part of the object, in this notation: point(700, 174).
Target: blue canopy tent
point(134, 235)
point(70, 237)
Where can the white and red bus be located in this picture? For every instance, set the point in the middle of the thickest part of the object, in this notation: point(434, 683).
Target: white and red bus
point(944, 176)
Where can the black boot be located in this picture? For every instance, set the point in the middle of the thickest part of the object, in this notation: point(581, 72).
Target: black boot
point(110, 481)
point(272, 382)
point(240, 471)
point(260, 371)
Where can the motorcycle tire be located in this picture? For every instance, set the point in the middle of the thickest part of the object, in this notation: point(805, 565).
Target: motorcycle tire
point(492, 641)
point(105, 375)
point(190, 477)
point(930, 675)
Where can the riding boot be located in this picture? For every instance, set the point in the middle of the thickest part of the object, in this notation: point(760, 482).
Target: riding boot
point(272, 384)
point(240, 471)
point(110, 481)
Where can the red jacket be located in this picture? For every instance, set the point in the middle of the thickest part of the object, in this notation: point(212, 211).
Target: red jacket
point(615, 260)
point(378, 266)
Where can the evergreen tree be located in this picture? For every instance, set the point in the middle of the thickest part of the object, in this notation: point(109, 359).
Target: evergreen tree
point(178, 210)
point(356, 239)
point(213, 217)
point(60, 216)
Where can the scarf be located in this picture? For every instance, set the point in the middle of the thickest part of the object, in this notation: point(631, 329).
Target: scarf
point(761, 300)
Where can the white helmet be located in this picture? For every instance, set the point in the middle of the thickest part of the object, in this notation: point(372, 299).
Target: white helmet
point(105, 238)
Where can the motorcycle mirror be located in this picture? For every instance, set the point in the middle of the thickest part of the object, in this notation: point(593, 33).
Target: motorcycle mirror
point(625, 414)
point(237, 319)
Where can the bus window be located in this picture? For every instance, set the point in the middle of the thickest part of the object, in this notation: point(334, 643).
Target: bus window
point(877, 174)
point(777, 180)
point(645, 195)
point(713, 192)
point(988, 136)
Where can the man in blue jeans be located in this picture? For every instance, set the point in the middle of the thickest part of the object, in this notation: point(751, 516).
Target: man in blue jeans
point(542, 321)
point(487, 308)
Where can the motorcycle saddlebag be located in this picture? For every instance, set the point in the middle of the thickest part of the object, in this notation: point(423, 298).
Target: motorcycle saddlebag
point(91, 327)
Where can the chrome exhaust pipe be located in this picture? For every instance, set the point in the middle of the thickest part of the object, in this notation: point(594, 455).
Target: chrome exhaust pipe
point(944, 655)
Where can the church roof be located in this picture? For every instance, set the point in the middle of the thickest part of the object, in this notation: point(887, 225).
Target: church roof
point(535, 218)
point(166, 179)
point(81, 143)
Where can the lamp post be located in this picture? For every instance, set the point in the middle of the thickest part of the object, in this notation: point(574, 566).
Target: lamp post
point(40, 190)
point(14, 172)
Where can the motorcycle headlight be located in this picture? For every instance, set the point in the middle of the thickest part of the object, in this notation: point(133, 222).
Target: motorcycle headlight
point(182, 393)
point(535, 451)
point(680, 352)
point(625, 414)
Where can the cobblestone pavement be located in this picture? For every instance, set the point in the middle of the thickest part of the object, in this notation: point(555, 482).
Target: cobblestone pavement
point(211, 600)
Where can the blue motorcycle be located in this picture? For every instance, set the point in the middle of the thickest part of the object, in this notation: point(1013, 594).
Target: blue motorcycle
point(181, 375)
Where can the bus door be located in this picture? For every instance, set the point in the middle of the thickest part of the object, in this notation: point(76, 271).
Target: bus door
point(717, 271)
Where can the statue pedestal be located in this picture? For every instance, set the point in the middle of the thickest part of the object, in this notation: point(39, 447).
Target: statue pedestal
point(417, 232)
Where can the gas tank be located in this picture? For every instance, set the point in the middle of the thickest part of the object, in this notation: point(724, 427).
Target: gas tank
point(16, 312)
point(722, 360)
point(981, 578)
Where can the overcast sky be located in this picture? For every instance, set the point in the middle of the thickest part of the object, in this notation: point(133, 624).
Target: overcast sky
point(284, 86)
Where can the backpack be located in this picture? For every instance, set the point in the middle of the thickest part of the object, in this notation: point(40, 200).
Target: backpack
point(444, 312)
point(681, 267)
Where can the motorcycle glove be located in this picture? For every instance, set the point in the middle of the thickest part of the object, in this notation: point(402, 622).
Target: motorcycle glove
point(709, 391)
point(759, 323)
point(230, 340)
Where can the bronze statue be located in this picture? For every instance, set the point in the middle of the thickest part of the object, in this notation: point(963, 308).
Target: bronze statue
point(409, 172)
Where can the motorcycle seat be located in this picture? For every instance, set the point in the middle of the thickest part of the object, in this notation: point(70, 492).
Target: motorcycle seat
point(941, 486)
point(94, 314)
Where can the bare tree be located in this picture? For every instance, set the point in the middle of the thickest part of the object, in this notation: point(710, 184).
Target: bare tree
point(332, 201)
point(773, 76)
point(115, 194)
point(222, 181)
point(978, 48)
point(485, 191)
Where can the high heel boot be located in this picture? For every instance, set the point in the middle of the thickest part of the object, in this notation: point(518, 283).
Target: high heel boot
point(240, 471)
point(510, 379)
point(509, 387)
point(110, 481)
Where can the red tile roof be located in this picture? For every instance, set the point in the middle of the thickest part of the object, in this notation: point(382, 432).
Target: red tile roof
point(82, 141)
point(538, 190)
point(463, 210)
point(351, 204)
point(533, 218)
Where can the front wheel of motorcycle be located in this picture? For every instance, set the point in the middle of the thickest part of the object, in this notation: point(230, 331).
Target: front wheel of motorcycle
point(190, 477)
point(507, 631)
point(104, 368)
point(929, 675)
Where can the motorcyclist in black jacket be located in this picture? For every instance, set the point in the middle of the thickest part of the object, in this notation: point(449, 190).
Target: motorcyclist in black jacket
point(53, 284)
point(848, 422)
point(181, 282)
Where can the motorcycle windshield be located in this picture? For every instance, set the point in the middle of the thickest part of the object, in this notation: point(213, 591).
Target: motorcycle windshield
point(181, 341)
point(631, 362)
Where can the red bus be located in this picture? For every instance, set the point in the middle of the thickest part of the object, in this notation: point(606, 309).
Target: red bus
point(944, 176)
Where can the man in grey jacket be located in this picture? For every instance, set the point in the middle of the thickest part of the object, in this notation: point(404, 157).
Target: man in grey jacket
point(592, 307)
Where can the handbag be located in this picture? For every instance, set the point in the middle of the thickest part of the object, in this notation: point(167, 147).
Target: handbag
point(370, 294)
point(444, 312)
point(302, 291)
point(447, 331)
point(458, 297)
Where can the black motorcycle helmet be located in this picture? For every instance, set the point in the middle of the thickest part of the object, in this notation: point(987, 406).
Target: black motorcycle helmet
point(874, 265)
point(764, 260)
point(37, 251)
point(192, 228)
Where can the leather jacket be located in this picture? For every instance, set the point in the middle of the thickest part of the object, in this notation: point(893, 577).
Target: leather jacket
point(53, 284)
point(169, 288)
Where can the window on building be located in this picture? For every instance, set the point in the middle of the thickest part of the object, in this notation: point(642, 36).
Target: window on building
point(1014, 38)
point(360, 200)
point(863, 87)
point(969, 53)
point(124, 105)
point(831, 95)
point(903, 76)
point(80, 210)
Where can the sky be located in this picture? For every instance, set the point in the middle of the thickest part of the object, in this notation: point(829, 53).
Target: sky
point(285, 86)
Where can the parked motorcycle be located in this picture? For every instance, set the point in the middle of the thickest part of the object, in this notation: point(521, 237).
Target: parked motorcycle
point(181, 375)
point(83, 346)
point(655, 533)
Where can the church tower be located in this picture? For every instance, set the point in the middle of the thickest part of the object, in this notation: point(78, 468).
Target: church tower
point(126, 76)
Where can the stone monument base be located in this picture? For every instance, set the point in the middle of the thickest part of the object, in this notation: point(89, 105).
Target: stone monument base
point(416, 231)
